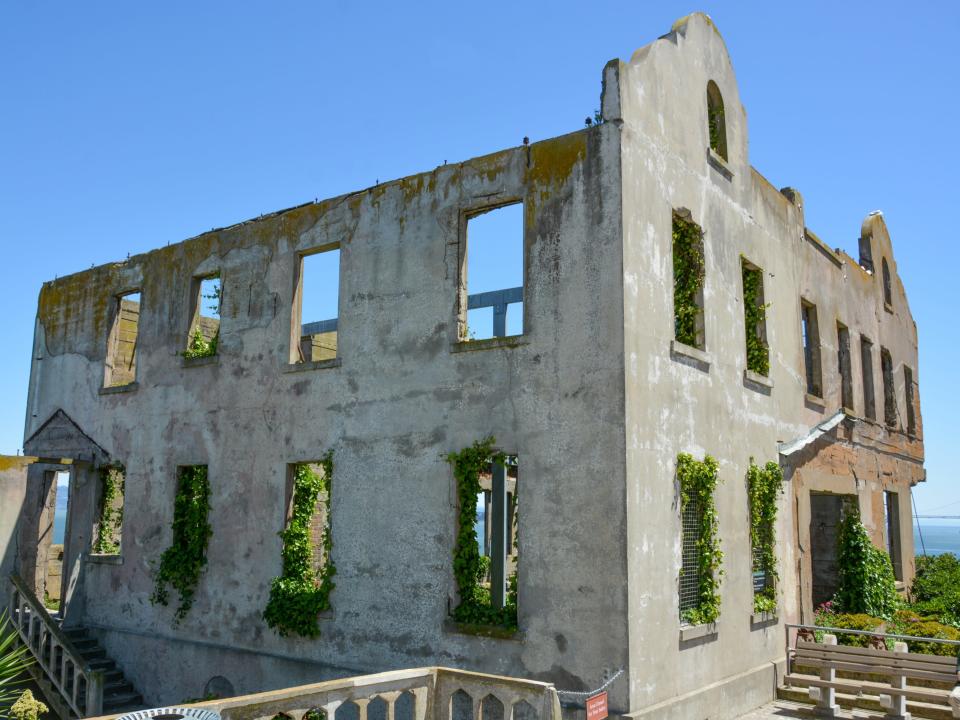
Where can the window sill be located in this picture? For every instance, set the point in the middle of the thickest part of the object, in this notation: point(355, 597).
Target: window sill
point(312, 365)
point(490, 631)
point(114, 389)
point(198, 361)
point(695, 632)
point(814, 402)
point(719, 164)
point(757, 381)
point(763, 619)
point(104, 559)
point(510, 341)
point(686, 353)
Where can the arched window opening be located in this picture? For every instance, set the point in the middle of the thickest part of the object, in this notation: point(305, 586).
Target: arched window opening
point(716, 120)
point(887, 291)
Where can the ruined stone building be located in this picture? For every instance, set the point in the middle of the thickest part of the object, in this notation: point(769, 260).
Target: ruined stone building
point(609, 378)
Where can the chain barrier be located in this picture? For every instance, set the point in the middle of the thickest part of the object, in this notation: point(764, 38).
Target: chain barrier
point(576, 697)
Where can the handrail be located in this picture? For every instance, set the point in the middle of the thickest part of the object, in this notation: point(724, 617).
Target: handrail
point(65, 675)
point(873, 633)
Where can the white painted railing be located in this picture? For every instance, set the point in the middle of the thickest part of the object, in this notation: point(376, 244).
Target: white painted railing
point(431, 693)
point(80, 686)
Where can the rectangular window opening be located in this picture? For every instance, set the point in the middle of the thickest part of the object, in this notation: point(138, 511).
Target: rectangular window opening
point(206, 301)
point(889, 392)
point(690, 560)
point(909, 398)
point(320, 517)
point(844, 366)
point(688, 278)
point(866, 362)
point(755, 319)
point(496, 514)
point(811, 349)
point(493, 274)
point(891, 510)
point(108, 527)
point(316, 307)
point(121, 363)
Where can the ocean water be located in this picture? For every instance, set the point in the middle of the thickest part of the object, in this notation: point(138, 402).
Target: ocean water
point(938, 537)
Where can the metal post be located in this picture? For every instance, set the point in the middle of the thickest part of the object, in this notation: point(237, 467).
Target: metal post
point(500, 320)
point(498, 540)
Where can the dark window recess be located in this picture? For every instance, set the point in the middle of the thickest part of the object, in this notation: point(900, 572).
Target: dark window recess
point(716, 120)
point(887, 288)
point(891, 508)
point(755, 319)
point(121, 363)
point(908, 391)
point(866, 362)
point(845, 366)
point(316, 307)
point(889, 392)
point(811, 348)
point(493, 273)
point(689, 271)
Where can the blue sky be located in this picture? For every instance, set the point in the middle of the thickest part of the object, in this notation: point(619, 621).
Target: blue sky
point(125, 126)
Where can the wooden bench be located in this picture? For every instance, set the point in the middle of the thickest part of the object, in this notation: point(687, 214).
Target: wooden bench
point(897, 666)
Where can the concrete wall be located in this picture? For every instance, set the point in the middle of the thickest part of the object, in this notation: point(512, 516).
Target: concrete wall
point(595, 399)
point(13, 490)
point(403, 393)
point(702, 402)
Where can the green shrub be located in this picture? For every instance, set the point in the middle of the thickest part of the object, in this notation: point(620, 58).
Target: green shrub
point(867, 585)
point(27, 707)
point(908, 622)
point(850, 621)
point(936, 588)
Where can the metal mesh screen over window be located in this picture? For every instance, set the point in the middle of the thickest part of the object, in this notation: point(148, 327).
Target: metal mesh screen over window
point(689, 571)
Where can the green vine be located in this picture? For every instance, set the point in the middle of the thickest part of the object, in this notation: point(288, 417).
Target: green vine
point(866, 581)
point(200, 347)
point(688, 275)
point(112, 482)
point(764, 486)
point(182, 562)
point(301, 592)
point(698, 481)
point(754, 318)
point(469, 566)
point(714, 122)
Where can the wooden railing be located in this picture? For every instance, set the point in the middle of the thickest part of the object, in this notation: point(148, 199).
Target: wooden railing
point(80, 686)
point(431, 693)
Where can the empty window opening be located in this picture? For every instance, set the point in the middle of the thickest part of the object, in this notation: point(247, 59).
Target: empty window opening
point(755, 319)
point(811, 348)
point(866, 362)
point(889, 392)
point(310, 476)
point(109, 524)
point(493, 274)
point(316, 307)
point(52, 532)
point(887, 289)
point(496, 532)
point(689, 271)
point(909, 398)
point(845, 367)
point(204, 335)
point(891, 511)
point(716, 120)
point(121, 364)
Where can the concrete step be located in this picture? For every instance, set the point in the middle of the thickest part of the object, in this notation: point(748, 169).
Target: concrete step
point(121, 702)
point(863, 702)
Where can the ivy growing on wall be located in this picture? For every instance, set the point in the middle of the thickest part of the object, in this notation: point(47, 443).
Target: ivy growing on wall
point(764, 486)
point(698, 481)
point(754, 318)
point(199, 346)
point(302, 592)
point(182, 562)
point(469, 566)
point(688, 275)
point(866, 580)
point(107, 541)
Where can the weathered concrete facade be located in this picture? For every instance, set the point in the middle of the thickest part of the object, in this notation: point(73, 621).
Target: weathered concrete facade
point(595, 398)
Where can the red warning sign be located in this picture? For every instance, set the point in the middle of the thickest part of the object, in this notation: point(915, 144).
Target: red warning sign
point(597, 706)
